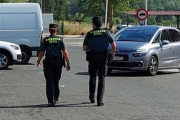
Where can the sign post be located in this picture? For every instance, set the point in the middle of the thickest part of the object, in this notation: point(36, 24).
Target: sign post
point(142, 14)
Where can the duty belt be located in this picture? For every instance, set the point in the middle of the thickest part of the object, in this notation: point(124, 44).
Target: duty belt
point(53, 57)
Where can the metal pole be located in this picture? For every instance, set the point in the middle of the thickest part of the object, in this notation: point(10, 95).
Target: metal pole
point(146, 10)
point(106, 14)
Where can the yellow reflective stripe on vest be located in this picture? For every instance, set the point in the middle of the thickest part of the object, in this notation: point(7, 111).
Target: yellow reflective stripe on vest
point(53, 40)
point(98, 32)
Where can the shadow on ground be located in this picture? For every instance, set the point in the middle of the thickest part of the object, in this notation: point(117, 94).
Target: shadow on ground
point(59, 104)
point(24, 64)
point(138, 73)
point(82, 73)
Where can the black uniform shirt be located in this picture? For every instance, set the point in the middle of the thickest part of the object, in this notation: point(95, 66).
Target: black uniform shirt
point(98, 39)
point(53, 45)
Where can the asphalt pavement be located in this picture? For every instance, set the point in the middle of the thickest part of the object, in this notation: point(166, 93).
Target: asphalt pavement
point(128, 95)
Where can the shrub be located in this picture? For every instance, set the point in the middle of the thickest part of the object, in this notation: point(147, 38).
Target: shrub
point(73, 28)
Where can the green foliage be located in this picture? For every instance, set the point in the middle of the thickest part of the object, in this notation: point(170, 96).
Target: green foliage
point(166, 23)
point(151, 20)
point(3, 1)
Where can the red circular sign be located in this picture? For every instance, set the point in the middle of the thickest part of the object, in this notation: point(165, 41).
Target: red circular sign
point(142, 14)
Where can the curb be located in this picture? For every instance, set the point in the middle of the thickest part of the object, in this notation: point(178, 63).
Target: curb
point(73, 36)
point(68, 36)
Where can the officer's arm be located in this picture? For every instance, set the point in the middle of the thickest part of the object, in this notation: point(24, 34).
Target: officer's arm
point(41, 53)
point(66, 56)
point(85, 47)
point(40, 56)
point(85, 43)
point(113, 45)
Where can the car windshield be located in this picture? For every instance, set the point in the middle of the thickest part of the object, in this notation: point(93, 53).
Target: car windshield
point(139, 34)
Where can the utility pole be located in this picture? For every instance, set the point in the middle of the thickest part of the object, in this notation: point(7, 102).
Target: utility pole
point(146, 10)
point(106, 13)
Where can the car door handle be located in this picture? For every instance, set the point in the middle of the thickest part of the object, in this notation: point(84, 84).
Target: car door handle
point(171, 47)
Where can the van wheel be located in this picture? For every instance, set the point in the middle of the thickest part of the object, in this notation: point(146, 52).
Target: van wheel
point(4, 60)
point(153, 66)
point(25, 55)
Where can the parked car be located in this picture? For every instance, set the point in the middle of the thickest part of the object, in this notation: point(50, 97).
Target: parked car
point(146, 48)
point(9, 53)
point(119, 27)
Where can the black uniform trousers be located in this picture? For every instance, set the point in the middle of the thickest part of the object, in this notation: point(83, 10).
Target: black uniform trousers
point(97, 67)
point(52, 73)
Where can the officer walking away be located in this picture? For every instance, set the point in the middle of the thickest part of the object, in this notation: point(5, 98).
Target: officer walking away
point(97, 42)
point(55, 50)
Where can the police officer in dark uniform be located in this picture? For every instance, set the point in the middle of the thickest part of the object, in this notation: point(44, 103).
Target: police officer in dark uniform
point(97, 42)
point(53, 63)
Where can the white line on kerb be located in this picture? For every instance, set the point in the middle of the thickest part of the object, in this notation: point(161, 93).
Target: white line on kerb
point(62, 86)
point(27, 85)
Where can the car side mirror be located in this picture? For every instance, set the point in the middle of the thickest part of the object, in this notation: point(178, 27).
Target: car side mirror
point(165, 42)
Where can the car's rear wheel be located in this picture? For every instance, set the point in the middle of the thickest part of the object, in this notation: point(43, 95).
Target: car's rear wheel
point(4, 60)
point(153, 66)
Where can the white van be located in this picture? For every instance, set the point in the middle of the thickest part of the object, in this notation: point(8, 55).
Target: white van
point(22, 24)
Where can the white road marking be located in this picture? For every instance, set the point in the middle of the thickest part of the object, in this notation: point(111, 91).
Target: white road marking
point(34, 68)
point(27, 85)
point(41, 72)
point(62, 86)
point(74, 43)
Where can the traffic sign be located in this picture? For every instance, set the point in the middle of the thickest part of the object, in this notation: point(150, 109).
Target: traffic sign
point(142, 14)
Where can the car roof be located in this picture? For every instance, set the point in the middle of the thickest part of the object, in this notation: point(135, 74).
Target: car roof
point(153, 26)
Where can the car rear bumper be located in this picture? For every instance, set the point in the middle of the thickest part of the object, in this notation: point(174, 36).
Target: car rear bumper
point(133, 65)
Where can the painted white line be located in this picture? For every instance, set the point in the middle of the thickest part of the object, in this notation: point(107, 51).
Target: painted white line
point(62, 86)
point(41, 72)
point(21, 85)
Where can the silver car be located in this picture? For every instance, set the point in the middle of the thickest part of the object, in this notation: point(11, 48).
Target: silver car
point(146, 48)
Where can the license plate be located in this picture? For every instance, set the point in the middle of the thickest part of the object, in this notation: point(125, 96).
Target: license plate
point(118, 58)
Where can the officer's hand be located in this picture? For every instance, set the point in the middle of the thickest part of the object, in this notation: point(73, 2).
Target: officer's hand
point(38, 64)
point(113, 55)
point(68, 67)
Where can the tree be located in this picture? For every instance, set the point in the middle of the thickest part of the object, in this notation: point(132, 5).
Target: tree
point(3, 1)
point(97, 7)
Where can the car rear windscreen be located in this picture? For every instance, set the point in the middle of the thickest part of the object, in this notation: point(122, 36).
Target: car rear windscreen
point(137, 34)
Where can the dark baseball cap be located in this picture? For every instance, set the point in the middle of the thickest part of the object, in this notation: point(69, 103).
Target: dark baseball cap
point(53, 25)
